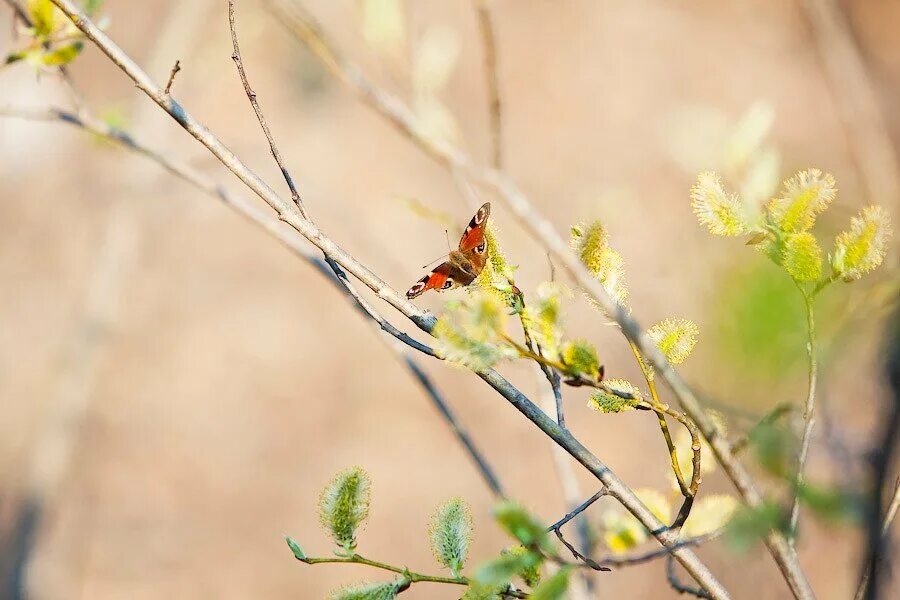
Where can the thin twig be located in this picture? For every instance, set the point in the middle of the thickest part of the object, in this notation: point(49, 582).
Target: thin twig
point(19, 12)
point(175, 69)
point(251, 95)
point(489, 47)
point(579, 509)
point(410, 576)
point(271, 225)
point(808, 410)
point(298, 21)
point(288, 213)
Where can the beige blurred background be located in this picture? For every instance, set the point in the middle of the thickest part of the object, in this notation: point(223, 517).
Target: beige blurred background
point(210, 382)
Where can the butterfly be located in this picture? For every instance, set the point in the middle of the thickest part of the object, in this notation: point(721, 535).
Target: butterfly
point(464, 264)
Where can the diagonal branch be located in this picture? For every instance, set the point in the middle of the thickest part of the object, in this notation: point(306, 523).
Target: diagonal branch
point(489, 47)
point(395, 111)
point(289, 213)
point(395, 339)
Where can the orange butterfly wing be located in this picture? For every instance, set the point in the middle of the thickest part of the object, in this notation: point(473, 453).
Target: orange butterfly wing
point(473, 236)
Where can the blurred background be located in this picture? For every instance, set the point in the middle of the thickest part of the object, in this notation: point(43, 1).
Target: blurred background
point(179, 387)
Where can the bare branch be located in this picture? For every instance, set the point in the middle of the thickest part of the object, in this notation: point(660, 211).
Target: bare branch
point(251, 96)
point(175, 69)
point(676, 584)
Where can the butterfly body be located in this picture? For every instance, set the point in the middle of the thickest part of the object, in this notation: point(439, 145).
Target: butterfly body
point(463, 265)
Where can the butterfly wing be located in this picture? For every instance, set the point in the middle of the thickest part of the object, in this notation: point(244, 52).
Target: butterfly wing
point(444, 277)
point(473, 244)
point(460, 270)
point(473, 236)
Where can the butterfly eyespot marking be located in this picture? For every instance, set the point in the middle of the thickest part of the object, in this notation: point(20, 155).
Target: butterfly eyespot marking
point(481, 248)
point(415, 290)
point(481, 215)
point(447, 284)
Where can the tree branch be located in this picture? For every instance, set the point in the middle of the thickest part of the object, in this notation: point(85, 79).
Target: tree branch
point(394, 338)
point(395, 111)
point(289, 213)
point(489, 47)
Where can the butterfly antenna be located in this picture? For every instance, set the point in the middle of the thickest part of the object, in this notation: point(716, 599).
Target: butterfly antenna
point(447, 235)
point(441, 257)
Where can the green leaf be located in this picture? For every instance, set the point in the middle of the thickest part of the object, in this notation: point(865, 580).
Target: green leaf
point(344, 505)
point(519, 523)
point(832, 504)
point(370, 591)
point(92, 6)
point(750, 525)
point(451, 534)
point(295, 548)
point(554, 587)
point(775, 447)
point(16, 57)
point(511, 563)
point(62, 55)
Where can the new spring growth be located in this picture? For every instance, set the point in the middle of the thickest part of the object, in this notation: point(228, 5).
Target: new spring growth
point(622, 531)
point(675, 338)
point(590, 242)
point(370, 591)
point(580, 358)
point(804, 196)
point(785, 234)
point(554, 587)
point(54, 39)
point(543, 317)
point(450, 533)
point(344, 505)
point(467, 333)
point(721, 212)
point(607, 402)
point(497, 276)
point(861, 249)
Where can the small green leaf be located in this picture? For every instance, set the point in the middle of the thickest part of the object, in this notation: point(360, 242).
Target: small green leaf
point(553, 587)
point(511, 563)
point(519, 523)
point(832, 504)
point(344, 505)
point(16, 57)
point(62, 55)
point(451, 534)
point(749, 525)
point(480, 591)
point(775, 447)
point(295, 548)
